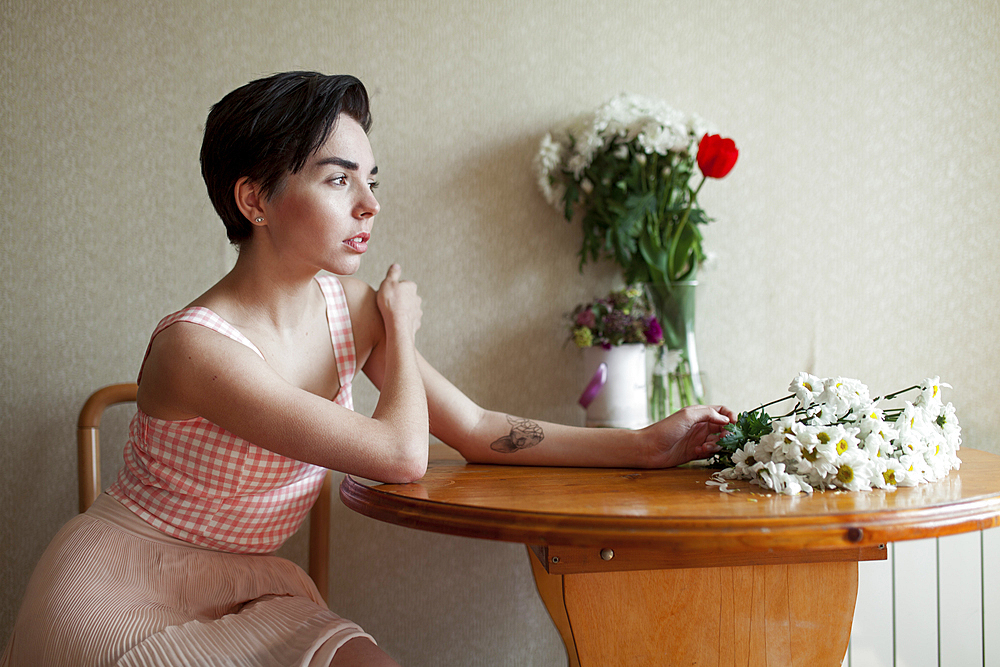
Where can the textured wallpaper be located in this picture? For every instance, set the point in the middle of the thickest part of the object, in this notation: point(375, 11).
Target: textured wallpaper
point(856, 236)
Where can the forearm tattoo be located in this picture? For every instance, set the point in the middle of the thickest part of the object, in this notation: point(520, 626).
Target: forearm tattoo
point(524, 433)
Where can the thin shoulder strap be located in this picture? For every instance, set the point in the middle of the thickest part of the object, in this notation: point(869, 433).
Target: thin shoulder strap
point(341, 332)
point(204, 317)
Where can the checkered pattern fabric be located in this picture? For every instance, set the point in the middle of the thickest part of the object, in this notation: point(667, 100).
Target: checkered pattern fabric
point(200, 483)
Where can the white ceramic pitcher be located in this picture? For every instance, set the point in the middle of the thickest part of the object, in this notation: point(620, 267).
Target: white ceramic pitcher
point(616, 394)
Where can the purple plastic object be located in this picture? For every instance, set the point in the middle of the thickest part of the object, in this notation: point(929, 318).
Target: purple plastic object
point(595, 385)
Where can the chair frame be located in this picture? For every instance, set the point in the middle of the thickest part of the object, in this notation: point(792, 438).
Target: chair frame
point(88, 441)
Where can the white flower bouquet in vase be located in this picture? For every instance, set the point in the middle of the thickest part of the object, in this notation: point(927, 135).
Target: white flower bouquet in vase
point(630, 172)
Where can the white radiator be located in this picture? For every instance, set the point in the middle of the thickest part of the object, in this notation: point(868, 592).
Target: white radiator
point(932, 603)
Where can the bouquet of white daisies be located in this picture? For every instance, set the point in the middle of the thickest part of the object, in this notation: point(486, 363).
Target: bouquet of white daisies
point(838, 437)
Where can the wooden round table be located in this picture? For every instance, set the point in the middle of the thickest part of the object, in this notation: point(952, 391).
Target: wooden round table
point(654, 567)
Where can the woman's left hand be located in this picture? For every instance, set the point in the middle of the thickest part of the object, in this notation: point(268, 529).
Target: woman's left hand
point(688, 434)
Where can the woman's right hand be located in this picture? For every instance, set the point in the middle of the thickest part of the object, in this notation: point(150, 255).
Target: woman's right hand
point(399, 302)
point(690, 433)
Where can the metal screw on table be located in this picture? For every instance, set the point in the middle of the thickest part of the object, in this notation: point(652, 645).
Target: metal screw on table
point(607, 554)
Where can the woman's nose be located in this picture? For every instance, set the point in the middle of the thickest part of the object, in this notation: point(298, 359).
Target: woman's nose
point(368, 206)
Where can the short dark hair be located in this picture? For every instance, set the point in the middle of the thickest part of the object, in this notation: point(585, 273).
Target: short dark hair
point(267, 129)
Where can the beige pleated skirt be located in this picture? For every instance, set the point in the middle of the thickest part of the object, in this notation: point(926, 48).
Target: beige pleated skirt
point(112, 590)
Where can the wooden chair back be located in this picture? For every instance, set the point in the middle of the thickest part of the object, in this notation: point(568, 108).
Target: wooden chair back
point(89, 469)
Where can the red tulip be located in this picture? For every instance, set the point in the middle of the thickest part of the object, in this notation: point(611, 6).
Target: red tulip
point(716, 156)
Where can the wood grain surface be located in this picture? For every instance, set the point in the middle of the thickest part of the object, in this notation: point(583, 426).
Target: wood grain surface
point(673, 509)
point(654, 567)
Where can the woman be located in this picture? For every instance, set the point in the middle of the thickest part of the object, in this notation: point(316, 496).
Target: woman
point(171, 565)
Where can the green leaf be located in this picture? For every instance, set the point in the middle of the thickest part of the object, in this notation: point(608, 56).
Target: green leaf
point(734, 438)
point(637, 207)
point(749, 427)
point(625, 246)
point(698, 216)
point(655, 256)
point(683, 256)
point(758, 424)
point(571, 197)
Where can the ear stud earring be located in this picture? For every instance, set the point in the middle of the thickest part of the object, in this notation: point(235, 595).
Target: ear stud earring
point(258, 220)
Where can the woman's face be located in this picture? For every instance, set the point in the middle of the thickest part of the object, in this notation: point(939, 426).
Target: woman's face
point(323, 214)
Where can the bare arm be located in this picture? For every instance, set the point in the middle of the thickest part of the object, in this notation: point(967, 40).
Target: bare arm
point(193, 371)
point(484, 436)
point(402, 400)
point(683, 436)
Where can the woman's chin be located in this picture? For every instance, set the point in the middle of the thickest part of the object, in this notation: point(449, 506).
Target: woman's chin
point(344, 267)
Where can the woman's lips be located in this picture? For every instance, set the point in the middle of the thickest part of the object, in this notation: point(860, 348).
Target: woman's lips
point(358, 243)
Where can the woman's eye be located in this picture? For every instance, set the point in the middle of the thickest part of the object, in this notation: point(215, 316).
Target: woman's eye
point(373, 185)
point(339, 180)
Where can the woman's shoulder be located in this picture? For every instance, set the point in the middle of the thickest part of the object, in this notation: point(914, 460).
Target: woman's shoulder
point(190, 352)
point(366, 318)
point(361, 300)
point(197, 328)
point(355, 289)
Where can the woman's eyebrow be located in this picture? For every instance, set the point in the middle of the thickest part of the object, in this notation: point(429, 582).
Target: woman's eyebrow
point(341, 162)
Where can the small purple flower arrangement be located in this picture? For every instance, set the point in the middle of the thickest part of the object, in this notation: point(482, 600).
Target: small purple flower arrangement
point(623, 317)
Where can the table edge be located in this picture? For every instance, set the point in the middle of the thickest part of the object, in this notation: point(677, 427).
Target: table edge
point(858, 529)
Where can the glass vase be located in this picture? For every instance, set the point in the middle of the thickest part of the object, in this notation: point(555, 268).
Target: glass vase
point(674, 378)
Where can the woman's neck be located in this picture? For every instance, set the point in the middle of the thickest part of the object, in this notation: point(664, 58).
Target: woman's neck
point(262, 293)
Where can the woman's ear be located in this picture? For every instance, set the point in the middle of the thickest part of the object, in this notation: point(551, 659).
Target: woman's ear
point(249, 201)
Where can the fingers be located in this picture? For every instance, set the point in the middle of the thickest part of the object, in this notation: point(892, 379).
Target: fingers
point(727, 412)
point(690, 433)
point(716, 414)
point(706, 450)
point(706, 439)
point(398, 301)
point(719, 415)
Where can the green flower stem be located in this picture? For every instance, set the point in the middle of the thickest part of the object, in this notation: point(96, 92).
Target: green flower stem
point(672, 387)
point(892, 414)
point(658, 397)
point(889, 397)
point(680, 228)
point(774, 402)
point(686, 390)
point(643, 177)
point(888, 414)
point(674, 190)
point(671, 391)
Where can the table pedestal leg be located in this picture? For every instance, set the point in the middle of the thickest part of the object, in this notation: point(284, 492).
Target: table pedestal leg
point(756, 615)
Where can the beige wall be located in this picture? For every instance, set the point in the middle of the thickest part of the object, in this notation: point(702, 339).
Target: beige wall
point(857, 235)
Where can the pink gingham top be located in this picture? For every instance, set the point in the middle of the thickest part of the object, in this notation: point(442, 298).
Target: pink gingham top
point(200, 483)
